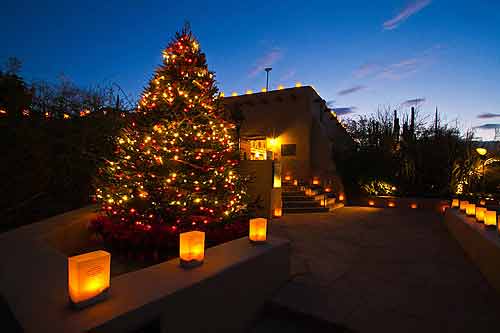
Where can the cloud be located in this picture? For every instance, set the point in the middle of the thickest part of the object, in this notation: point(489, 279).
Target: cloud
point(488, 126)
point(350, 90)
point(345, 110)
point(412, 102)
point(412, 8)
point(401, 69)
point(365, 70)
point(266, 61)
point(488, 115)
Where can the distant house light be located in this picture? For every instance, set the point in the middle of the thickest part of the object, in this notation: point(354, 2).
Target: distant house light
point(249, 92)
point(298, 85)
point(234, 93)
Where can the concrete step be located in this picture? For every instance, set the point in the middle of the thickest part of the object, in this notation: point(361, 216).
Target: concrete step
point(286, 188)
point(296, 198)
point(293, 193)
point(305, 210)
point(301, 204)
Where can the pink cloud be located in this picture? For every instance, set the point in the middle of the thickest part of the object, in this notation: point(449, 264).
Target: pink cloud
point(365, 70)
point(351, 90)
point(411, 9)
point(266, 61)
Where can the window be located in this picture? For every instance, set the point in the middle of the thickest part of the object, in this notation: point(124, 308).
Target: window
point(288, 150)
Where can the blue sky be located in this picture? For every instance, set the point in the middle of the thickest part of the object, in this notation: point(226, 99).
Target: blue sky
point(359, 54)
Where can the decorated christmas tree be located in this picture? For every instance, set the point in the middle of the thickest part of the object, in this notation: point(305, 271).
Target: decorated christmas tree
point(175, 167)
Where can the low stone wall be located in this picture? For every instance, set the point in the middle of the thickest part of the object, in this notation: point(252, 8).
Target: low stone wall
point(222, 295)
point(437, 205)
point(481, 244)
point(260, 185)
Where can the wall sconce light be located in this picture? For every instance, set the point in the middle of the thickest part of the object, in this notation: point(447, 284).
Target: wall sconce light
point(315, 181)
point(391, 204)
point(413, 206)
point(88, 277)
point(463, 205)
point(295, 182)
point(341, 197)
point(288, 178)
point(470, 210)
point(192, 248)
point(480, 213)
point(455, 203)
point(490, 218)
point(371, 203)
point(278, 212)
point(482, 202)
point(258, 230)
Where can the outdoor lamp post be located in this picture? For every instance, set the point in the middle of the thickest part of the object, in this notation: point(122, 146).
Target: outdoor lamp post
point(268, 69)
point(482, 152)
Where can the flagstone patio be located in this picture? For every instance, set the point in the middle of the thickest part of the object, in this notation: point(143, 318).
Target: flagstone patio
point(384, 270)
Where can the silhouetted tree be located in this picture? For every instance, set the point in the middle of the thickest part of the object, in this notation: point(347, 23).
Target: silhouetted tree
point(15, 97)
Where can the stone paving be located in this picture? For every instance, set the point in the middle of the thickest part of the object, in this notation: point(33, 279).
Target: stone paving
point(384, 270)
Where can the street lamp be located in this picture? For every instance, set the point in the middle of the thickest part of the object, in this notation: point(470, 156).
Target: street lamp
point(482, 152)
point(268, 69)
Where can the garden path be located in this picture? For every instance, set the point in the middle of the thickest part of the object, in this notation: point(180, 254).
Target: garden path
point(384, 270)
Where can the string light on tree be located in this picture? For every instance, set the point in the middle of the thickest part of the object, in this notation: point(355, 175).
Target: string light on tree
point(176, 163)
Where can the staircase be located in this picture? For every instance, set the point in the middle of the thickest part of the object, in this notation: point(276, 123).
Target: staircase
point(295, 201)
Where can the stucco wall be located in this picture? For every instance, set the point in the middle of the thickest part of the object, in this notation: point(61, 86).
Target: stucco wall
point(260, 184)
point(295, 116)
point(284, 116)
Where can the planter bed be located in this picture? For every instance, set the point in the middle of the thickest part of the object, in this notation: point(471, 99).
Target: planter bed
point(221, 295)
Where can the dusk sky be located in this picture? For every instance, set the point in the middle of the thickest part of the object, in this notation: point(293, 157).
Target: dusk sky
point(359, 54)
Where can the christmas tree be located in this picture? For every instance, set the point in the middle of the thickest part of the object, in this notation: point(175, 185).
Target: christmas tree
point(175, 164)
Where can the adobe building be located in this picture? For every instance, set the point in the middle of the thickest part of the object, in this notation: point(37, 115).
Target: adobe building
point(296, 129)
